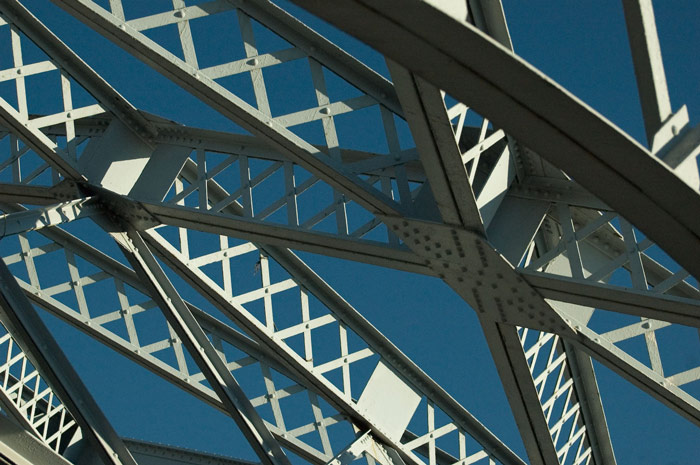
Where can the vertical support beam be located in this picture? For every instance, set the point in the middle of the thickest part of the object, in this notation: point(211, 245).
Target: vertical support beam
point(19, 317)
point(201, 349)
point(648, 66)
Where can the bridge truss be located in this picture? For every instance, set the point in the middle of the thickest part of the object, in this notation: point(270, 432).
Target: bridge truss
point(173, 244)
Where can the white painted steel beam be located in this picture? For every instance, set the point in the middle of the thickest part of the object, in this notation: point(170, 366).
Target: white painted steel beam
point(201, 349)
point(648, 65)
point(38, 195)
point(146, 215)
point(32, 220)
point(68, 61)
point(149, 453)
point(432, 131)
point(20, 318)
point(630, 301)
point(513, 369)
point(37, 140)
point(231, 106)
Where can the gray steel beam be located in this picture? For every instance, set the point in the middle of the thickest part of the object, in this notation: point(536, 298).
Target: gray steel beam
point(645, 304)
point(19, 447)
point(38, 141)
point(39, 195)
point(201, 349)
point(20, 318)
point(532, 108)
point(581, 367)
point(145, 215)
point(149, 453)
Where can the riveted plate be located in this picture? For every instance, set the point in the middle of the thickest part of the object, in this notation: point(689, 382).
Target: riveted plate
point(479, 274)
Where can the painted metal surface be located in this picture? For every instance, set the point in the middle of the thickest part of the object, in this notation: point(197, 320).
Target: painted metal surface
point(534, 241)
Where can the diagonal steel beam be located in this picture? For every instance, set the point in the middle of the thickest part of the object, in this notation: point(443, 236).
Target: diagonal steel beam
point(201, 349)
point(508, 355)
point(425, 112)
point(19, 447)
point(38, 141)
point(532, 108)
point(20, 318)
point(231, 106)
point(39, 195)
point(68, 61)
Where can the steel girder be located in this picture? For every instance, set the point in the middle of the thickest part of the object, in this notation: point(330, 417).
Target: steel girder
point(444, 208)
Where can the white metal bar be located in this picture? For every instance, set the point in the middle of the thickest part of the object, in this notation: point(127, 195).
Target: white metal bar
point(201, 349)
point(20, 318)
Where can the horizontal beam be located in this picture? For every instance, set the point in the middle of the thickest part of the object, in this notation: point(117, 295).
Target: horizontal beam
point(32, 220)
point(146, 215)
point(39, 195)
point(150, 453)
point(607, 297)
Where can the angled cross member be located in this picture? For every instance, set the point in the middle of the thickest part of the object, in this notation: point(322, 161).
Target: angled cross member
point(648, 65)
point(581, 367)
point(20, 318)
point(645, 304)
point(38, 141)
point(201, 349)
point(506, 349)
point(77, 68)
point(532, 108)
point(231, 106)
point(425, 112)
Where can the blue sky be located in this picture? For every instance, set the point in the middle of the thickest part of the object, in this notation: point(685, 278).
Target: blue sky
point(582, 45)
